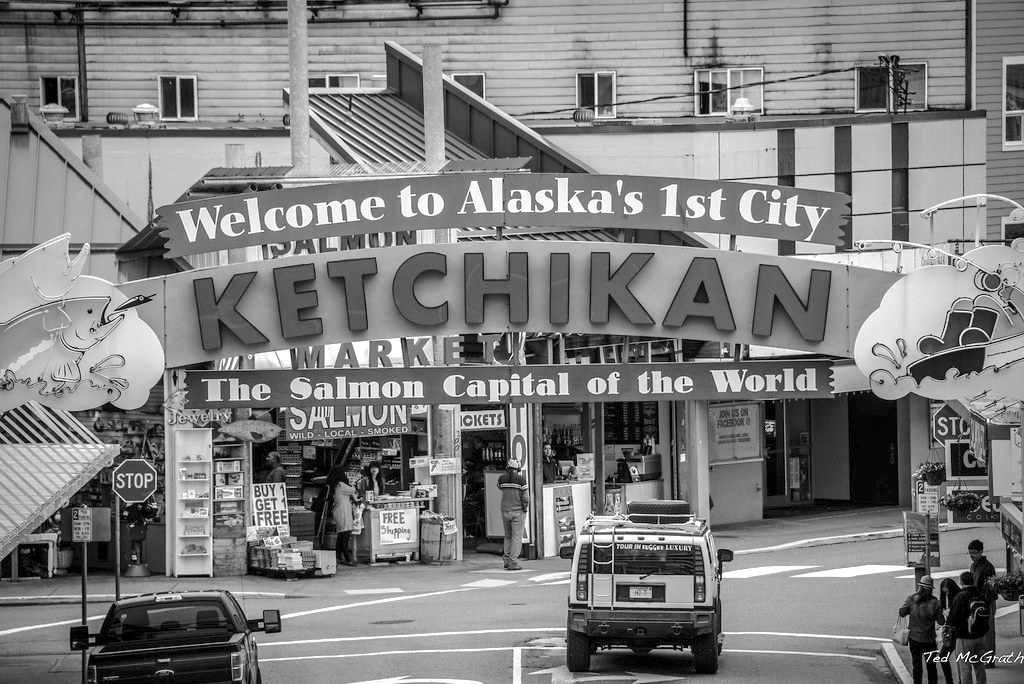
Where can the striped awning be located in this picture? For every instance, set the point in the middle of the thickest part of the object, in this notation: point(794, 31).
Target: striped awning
point(46, 455)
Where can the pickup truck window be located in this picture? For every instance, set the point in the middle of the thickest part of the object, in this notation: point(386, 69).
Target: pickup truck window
point(161, 622)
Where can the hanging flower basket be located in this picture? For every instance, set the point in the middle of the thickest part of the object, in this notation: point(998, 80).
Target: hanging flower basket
point(960, 501)
point(1009, 585)
point(932, 472)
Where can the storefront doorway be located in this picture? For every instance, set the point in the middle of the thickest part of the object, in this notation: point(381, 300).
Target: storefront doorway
point(787, 449)
point(874, 474)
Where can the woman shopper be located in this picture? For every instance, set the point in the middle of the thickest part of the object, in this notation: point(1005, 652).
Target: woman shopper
point(924, 611)
point(948, 589)
point(344, 497)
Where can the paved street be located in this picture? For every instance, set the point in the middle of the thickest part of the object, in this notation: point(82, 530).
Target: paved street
point(792, 615)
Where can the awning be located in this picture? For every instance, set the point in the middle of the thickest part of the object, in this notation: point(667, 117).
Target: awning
point(46, 455)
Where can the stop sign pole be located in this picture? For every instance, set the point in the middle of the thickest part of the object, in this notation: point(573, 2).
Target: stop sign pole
point(132, 479)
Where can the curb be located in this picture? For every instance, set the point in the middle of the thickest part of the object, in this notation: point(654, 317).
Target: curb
point(895, 663)
point(842, 539)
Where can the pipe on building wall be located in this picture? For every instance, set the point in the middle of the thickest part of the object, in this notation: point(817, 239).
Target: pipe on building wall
point(83, 75)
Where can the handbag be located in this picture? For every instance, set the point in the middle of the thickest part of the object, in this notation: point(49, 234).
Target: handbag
point(901, 631)
point(948, 636)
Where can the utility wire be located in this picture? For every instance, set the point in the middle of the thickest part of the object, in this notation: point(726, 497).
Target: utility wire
point(684, 95)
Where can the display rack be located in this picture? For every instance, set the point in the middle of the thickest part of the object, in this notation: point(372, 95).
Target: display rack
point(191, 502)
point(229, 486)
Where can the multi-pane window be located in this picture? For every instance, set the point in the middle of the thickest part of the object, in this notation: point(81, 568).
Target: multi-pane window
point(334, 81)
point(177, 97)
point(717, 90)
point(474, 82)
point(596, 91)
point(61, 90)
point(1013, 113)
point(896, 88)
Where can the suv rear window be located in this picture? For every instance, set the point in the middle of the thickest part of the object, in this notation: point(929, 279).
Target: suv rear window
point(163, 621)
point(641, 558)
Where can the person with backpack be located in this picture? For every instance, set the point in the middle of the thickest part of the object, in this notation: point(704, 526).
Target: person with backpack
point(982, 571)
point(970, 618)
point(924, 611)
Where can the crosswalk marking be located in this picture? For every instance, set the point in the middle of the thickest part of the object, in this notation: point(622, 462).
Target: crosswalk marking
point(764, 570)
point(854, 571)
point(550, 576)
point(489, 583)
point(955, 574)
point(388, 590)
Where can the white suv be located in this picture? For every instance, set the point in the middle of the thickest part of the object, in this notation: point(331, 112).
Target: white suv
point(647, 579)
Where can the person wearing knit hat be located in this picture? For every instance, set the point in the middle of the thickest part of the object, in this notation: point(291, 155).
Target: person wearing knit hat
point(924, 611)
point(515, 501)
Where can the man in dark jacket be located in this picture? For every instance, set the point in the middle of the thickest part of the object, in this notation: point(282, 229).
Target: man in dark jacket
point(515, 501)
point(970, 650)
point(924, 611)
point(981, 571)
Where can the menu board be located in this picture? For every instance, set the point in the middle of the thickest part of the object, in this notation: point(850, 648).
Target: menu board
point(628, 422)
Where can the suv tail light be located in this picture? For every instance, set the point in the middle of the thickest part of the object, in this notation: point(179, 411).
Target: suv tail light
point(91, 676)
point(237, 666)
point(583, 572)
point(698, 588)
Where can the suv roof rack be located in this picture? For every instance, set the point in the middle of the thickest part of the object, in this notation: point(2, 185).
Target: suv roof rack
point(634, 521)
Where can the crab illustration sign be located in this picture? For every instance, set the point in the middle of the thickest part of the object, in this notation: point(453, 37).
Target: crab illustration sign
point(946, 332)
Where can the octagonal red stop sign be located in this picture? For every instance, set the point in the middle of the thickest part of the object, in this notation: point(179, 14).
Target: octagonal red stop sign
point(134, 480)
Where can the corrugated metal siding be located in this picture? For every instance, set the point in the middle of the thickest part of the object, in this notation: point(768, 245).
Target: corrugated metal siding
point(45, 190)
point(531, 54)
point(46, 455)
point(1000, 27)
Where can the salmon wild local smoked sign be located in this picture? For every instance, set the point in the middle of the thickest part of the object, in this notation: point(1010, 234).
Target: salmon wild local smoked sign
point(507, 384)
point(538, 200)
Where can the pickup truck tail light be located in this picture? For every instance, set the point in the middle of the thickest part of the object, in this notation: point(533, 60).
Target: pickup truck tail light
point(91, 675)
point(237, 666)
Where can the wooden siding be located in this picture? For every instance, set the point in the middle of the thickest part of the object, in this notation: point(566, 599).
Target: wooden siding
point(46, 191)
point(1000, 27)
point(531, 54)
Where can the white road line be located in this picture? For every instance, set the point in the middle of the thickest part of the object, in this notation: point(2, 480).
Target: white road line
point(421, 635)
point(550, 576)
point(765, 570)
point(1006, 610)
point(517, 665)
point(76, 621)
point(944, 574)
point(854, 571)
point(489, 583)
point(798, 635)
point(548, 584)
point(377, 654)
point(811, 654)
point(346, 606)
point(361, 592)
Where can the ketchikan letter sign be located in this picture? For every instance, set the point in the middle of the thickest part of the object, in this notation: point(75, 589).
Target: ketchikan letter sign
point(538, 200)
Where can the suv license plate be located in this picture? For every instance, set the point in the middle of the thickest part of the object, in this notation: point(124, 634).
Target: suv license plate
point(641, 593)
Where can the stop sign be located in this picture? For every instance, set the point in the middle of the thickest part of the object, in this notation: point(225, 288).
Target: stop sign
point(948, 426)
point(134, 480)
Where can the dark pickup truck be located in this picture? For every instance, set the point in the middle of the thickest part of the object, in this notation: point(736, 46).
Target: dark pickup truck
point(199, 637)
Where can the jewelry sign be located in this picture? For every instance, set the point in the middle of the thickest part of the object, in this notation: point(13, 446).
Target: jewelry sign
point(509, 384)
point(469, 200)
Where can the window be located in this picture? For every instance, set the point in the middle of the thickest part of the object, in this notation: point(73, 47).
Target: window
point(474, 82)
point(62, 90)
point(876, 91)
point(334, 81)
point(1013, 115)
point(178, 97)
point(596, 91)
point(718, 89)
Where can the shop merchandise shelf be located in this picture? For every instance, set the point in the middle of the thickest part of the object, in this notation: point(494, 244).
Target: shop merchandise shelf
point(186, 555)
point(193, 536)
point(193, 498)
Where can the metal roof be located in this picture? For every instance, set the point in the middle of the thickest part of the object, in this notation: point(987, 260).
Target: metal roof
point(46, 455)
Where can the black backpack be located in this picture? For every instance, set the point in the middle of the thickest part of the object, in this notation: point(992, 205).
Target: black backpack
point(977, 618)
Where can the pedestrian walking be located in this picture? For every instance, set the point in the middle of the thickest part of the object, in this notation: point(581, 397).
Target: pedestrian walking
point(924, 611)
point(969, 627)
point(981, 571)
point(515, 501)
point(948, 589)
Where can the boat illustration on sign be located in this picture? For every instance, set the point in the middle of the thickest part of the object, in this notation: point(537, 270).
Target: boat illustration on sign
point(965, 324)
